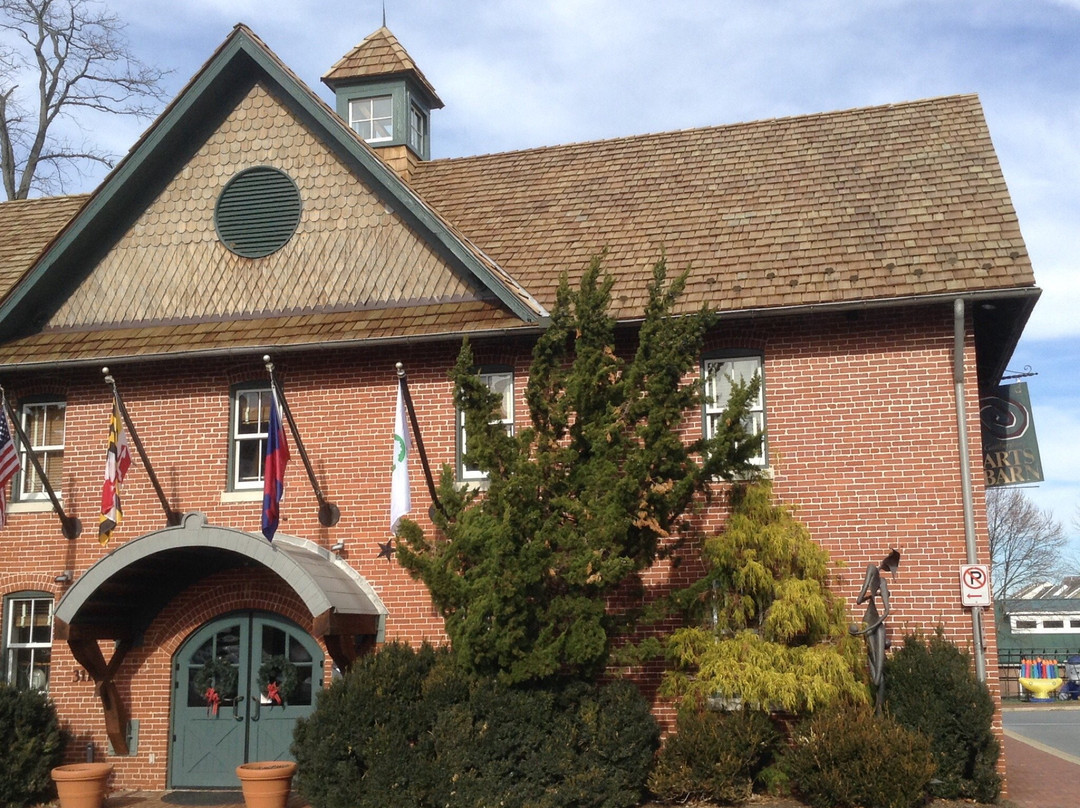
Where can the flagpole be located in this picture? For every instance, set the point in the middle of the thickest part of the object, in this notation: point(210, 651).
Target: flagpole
point(403, 382)
point(172, 518)
point(70, 526)
point(329, 514)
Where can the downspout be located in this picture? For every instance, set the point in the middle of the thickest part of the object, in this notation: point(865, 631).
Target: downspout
point(959, 335)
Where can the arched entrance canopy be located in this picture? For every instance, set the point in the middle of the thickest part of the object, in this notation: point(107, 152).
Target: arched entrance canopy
point(118, 597)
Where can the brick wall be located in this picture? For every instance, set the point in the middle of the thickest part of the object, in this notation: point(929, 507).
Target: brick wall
point(862, 439)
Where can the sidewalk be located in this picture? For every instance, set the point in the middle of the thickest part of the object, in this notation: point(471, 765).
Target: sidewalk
point(1040, 777)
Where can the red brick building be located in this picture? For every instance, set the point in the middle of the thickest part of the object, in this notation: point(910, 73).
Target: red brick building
point(867, 263)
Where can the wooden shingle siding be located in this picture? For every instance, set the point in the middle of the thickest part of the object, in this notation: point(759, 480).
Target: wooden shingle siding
point(349, 250)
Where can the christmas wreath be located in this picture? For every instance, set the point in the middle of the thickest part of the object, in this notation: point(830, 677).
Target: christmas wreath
point(216, 680)
point(278, 679)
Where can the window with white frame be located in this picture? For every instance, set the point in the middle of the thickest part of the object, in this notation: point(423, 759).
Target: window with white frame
point(501, 382)
point(42, 422)
point(719, 374)
point(373, 118)
point(248, 430)
point(1045, 623)
point(28, 640)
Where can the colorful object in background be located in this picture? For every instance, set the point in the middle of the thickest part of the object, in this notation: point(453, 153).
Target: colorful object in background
point(1039, 668)
point(1040, 678)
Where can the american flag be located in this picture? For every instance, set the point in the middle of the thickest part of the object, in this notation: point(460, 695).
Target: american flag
point(9, 464)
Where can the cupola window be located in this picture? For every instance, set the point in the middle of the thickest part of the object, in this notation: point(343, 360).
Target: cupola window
point(373, 118)
point(417, 129)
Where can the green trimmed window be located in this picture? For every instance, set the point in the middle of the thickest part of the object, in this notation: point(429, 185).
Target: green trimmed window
point(373, 118)
point(418, 130)
point(42, 422)
point(718, 373)
point(28, 640)
point(501, 382)
point(248, 430)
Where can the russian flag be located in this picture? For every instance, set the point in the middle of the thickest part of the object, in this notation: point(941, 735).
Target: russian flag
point(277, 457)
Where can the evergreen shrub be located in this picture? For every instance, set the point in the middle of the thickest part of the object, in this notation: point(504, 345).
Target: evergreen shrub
point(847, 757)
point(714, 755)
point(30, 746)
point(408, 728)
point(930, 687)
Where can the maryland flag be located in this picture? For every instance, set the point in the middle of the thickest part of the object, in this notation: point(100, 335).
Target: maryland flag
point(117, 463)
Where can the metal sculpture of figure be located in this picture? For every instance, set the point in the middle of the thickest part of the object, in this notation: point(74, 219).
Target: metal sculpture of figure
point(874, 621)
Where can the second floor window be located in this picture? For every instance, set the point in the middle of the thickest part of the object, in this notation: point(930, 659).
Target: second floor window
point(43, 424)
point(718, 376)
point(500, 382)
point(28, 641)
point(248, 430)
point(373, 118)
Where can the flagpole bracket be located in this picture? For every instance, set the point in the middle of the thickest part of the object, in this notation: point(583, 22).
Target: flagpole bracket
point(71, 527)
point(329, 514)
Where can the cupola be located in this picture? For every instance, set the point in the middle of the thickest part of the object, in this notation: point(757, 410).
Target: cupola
point(385, 98)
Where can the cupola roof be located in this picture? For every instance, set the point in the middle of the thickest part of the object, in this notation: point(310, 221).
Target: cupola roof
point(380, 54)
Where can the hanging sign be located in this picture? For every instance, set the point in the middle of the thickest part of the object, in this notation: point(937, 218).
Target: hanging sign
point(974, 585)
point(1010, 448)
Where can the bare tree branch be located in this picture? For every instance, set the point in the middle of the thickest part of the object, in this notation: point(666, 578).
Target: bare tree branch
point(1026, 543)
point(79, 58)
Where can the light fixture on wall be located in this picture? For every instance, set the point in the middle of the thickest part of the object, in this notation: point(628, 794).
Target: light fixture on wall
point(64, 577)
point(337, 548)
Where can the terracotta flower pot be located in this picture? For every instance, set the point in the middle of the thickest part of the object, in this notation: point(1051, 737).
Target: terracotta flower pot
point(81, 785)
point(266, 783)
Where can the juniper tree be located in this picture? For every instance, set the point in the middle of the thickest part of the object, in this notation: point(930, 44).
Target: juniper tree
point(764, 627)
point(583, 499)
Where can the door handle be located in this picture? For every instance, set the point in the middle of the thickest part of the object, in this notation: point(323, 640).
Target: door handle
point(258, 708)
point(236, 708)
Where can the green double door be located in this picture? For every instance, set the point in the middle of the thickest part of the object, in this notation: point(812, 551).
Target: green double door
point(239, 684)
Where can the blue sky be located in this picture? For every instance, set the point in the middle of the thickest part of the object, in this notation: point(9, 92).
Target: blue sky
point(522, 73)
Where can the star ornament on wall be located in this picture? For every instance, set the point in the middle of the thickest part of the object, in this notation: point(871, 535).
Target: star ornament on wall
point(386, 550)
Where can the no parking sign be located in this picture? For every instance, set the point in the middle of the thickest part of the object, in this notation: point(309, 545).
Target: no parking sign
point(975, 584)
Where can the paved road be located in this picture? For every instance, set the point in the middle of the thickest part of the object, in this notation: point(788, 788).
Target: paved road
point(1054, 725)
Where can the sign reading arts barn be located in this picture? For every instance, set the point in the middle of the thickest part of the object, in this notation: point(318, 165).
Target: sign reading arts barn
point(1010, 448)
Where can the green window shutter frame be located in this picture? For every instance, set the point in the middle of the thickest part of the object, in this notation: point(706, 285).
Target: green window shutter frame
point(258, 212)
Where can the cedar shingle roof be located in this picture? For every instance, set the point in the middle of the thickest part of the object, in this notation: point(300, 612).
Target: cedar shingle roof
point(887, 202)
point(380, 54)
point(258, 334)
point(26, 227)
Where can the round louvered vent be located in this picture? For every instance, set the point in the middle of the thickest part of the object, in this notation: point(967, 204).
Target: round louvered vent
point(257, 212)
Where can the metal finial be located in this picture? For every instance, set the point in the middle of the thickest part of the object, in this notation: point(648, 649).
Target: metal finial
point(384, 14)
point(108, 376)
point(400, 370)
point(269, 364)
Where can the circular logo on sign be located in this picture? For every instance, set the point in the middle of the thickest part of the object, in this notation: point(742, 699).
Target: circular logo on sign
point(1003, 419)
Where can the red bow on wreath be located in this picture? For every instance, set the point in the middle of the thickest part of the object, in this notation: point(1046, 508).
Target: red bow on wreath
point(272, 693)
point(213, 700)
